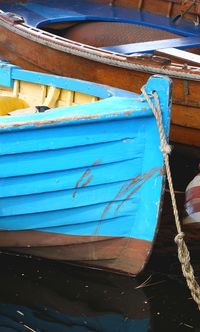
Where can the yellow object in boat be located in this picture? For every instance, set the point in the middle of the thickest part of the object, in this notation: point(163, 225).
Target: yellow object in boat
point(25, 97)
point(9, 104)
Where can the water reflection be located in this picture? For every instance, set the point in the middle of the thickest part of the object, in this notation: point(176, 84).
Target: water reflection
point(38, 295)
point(47, 296)
point(20, 318)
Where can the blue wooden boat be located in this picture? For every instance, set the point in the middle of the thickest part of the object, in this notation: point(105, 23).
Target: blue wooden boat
point(81, 169)
point(104, 41)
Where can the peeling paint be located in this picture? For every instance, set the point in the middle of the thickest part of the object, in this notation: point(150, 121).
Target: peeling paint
point(39, 123)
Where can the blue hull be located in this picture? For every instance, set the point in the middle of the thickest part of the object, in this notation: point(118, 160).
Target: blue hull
point(83, 182)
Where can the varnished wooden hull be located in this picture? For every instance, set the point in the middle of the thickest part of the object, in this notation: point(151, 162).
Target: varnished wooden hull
point(185, 123)
point(35, 49)
point(33, 55)
point(170, 8)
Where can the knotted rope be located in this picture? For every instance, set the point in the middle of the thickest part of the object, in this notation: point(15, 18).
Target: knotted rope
point(183, 252)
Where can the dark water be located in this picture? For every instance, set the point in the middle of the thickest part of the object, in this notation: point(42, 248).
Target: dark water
point(39, 295)
point(46, 296)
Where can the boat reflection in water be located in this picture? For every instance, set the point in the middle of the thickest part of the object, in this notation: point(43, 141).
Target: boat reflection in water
point(40, 295)
point(45, 319)
point(45, 296)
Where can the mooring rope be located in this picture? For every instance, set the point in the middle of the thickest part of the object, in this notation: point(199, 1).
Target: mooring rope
point(183, 252)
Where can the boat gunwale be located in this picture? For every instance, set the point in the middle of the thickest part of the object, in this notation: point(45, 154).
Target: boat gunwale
point(35, 120)
point(114, 103)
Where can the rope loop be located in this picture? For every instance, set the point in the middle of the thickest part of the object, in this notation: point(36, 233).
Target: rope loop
point(179, 237)
point(183, 252)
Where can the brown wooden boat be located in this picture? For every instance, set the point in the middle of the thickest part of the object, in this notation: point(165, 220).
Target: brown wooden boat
point(119, 43)
point(187, 9)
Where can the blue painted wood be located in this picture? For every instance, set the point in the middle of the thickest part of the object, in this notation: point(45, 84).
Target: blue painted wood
point(10, 72)
point(62, 180)
point(151, 46)
point(51, 137)
point(64, 199)
point(74, 217)
point(62, 159)
point(40, 12)
point(83, 169)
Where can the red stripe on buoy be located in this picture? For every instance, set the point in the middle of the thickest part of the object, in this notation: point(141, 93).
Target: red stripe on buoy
point(193, 206)
point(192, 193)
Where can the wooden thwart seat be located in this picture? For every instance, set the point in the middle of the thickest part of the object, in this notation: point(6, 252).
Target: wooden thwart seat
point(180, 55)
point(151, 46)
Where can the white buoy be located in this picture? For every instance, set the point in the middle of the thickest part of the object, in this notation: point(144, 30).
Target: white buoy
point(192, 203)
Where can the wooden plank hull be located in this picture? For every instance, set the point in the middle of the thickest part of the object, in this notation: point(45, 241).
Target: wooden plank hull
point(75, 180)
point(171, 8)
point(35, 56)
point(35, 49)
point(111, 253)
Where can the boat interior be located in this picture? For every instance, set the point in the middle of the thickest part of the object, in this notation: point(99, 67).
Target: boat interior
point(126, 27)
point(27, 98)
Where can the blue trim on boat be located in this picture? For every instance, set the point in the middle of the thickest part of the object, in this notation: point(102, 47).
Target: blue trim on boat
point(39, 13)
point(9, 73)
point(181, 43)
